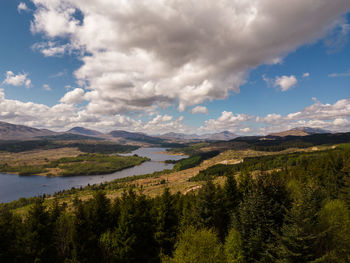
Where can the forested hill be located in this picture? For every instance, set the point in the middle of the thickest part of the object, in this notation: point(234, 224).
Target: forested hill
point(297, 210)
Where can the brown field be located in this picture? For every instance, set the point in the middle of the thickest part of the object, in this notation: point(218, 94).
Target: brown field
point(37, 157)
point(176, 181)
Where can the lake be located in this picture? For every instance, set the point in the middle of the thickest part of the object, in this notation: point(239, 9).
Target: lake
point(12, 187)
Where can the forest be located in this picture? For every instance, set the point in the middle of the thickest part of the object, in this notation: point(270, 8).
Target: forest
point(296, 213)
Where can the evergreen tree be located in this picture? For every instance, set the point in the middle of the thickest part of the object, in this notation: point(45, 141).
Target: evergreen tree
point(133, 239)
point(333, 246)
point(299, 233)
point(167, 222)
point(11, 248)
point(234, 247)
point(39, 227)
point(209, 210)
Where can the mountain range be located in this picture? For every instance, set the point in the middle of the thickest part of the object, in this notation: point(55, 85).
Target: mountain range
point(10, 131)
point(300, 131)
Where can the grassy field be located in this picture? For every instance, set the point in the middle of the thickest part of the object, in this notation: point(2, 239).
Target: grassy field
point(64, 162)
point(176, 181)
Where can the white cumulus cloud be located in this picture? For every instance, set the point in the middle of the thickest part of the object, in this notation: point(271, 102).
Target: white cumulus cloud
point(22, 7)
point(20, 79)
point(227, 121)
point(200, 109)
point(285, 82)
point(75, 96)
point(46, 87)
point(139, 56)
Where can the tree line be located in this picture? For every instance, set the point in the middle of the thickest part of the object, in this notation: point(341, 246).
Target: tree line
point(297, 213)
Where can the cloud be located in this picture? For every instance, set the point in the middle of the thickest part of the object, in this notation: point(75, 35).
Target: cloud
point(57, 75)
point(51, 49)
point(68, 113)
point(65, 115)
point(245, 130)
point(46, 87)
point(334, 117)
point(285, 82)
point(339, 37)
point(75, 96)
point(200, 109)
point(17, 80)
point(227, 121)
point(335, 75)
point(22, 7)
point(306, 75)
point(143, 56)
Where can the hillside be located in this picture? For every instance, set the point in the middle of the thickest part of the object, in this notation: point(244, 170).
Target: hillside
point(134, 136)
point(300, 131)
point(221, 136)
point(10, 131)
point(84, 131)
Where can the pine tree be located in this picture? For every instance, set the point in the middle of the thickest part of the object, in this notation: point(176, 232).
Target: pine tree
point(167, 222)
point(39, 234)
point(299, 233)
point(133, 239)
point(11, 248)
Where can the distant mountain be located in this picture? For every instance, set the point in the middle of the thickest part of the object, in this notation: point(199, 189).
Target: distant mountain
point(84, 131)
point(221, 136)
point(134, 136)
point(10, 131)
point(300, 131)
point(70, 137)
point(179, 136)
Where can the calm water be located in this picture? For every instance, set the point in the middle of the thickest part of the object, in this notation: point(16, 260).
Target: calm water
point(13, 187)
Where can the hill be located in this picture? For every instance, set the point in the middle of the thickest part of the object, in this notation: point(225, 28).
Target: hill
point(10, 131)
point(84, 131)
point(134, 136)
point(221, 136)
point(300, 131)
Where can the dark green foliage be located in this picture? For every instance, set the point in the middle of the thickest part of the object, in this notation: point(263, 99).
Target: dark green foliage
point(194, 160)
point(21, 146)
point(212, 172)
point(69, 137)
point(90, 164)
point(298, 213)
point(38, 238)
point(299, 232)
point(103, 148)
point(10, 241)
point(281, 143)
point(94, 145)
point(167, 222)
point(85, 164)
point(133, 239)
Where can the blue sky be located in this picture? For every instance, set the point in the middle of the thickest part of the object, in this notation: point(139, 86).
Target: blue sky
point(129, 66)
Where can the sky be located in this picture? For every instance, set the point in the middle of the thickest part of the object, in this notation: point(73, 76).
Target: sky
point(246, 66)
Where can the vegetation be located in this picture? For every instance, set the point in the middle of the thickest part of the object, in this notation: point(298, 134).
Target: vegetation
point(272, 143)
point(189, 149)
point(87, 146)
point(194, 160)
point(299, 212)
point(85, 164)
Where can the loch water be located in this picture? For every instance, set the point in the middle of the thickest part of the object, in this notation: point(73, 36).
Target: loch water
point(12, 187)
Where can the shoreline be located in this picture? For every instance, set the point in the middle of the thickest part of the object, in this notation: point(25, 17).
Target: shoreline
point(171, 153)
